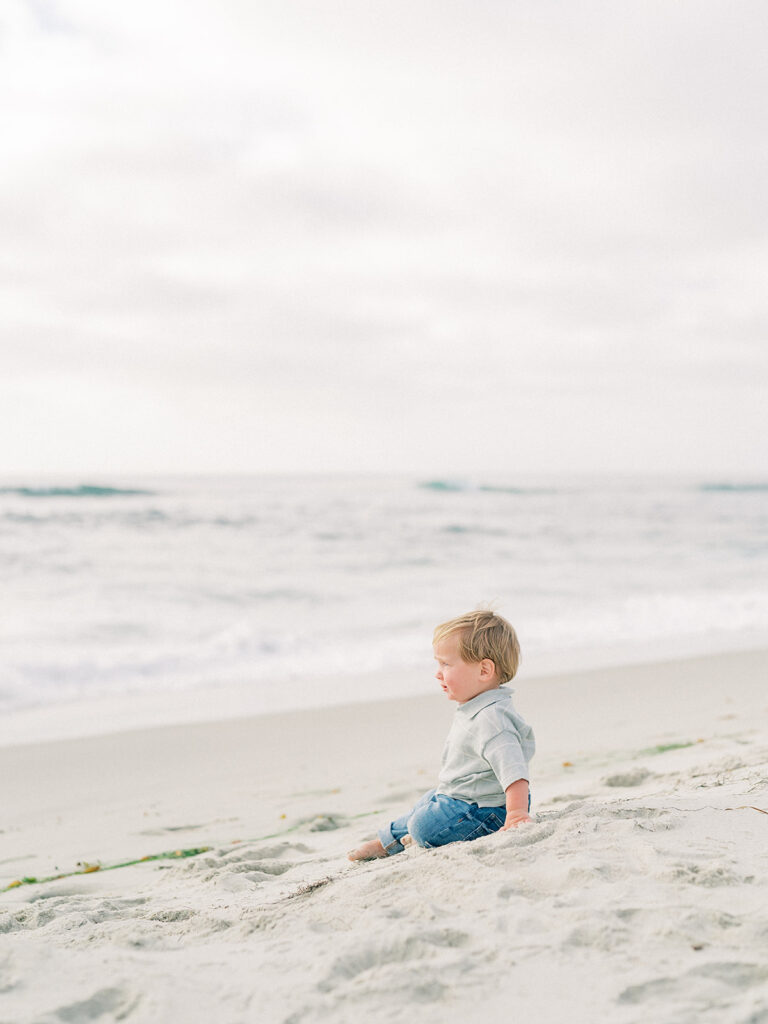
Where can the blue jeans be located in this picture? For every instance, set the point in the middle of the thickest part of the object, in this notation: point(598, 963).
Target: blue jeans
point(436, 820)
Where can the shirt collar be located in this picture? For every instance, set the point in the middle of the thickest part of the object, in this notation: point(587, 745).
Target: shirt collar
point(482, 700)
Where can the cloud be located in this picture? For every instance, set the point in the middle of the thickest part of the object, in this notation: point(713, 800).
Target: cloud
point(339, 209)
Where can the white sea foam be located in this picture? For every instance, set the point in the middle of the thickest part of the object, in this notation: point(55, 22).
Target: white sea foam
point(119, 586)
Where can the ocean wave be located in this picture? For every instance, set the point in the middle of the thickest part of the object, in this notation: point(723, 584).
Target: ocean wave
point(91, 520)
point(250, 580)
point(492, 489)
point(444, 485)
point(460, 485)
point(464, 528)
point(88, 517)
point(79, 491)
point(726, 487)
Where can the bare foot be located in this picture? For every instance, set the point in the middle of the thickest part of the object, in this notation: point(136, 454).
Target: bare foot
point(368, 851)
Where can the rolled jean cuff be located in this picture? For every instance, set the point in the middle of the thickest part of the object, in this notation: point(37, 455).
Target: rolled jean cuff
point(388, 841)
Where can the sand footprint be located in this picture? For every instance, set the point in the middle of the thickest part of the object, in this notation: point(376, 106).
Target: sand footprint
point(709, 875)
point(115, 1002)
point(241, 867)
point(269, 852)
point(379, 957)
point(628, 779)
point(707, 979)
point(9, 976)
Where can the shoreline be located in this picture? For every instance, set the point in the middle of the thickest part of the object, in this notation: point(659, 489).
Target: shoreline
point(582, 719)
point(110, 715)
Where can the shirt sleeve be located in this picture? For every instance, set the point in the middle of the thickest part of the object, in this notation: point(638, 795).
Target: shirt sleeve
point(504, 754)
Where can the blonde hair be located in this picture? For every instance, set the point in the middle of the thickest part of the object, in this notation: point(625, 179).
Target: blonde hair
point(484, 634)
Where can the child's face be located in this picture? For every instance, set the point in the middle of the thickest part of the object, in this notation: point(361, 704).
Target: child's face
point(462, 680)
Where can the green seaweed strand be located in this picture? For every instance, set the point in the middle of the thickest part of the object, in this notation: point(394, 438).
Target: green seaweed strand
point(194, 851)
point(90, 869)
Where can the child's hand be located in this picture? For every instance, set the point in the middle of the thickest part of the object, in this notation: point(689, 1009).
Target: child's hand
point(515, 818)
point(518, 803)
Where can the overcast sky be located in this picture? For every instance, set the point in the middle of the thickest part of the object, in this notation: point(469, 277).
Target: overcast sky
point(449, 237)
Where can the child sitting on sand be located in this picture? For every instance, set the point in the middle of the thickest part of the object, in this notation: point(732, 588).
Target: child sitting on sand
point(483, 782)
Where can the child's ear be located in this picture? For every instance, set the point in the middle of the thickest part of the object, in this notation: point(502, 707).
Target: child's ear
point(487, 668)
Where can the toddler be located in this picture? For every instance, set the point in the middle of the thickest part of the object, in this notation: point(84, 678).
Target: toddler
point(483, 781)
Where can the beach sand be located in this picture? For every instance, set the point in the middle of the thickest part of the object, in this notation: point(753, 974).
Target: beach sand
point(639, 893)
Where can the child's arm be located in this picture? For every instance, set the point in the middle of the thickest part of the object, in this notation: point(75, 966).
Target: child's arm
point(517, 804)
point(504, 754)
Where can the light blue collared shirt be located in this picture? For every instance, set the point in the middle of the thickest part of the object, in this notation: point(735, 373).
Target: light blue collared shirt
point(487, 749)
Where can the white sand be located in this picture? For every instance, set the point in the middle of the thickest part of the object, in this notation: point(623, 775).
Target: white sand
point(638, 895)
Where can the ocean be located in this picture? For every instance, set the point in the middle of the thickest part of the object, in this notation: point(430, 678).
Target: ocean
point(314, 588)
